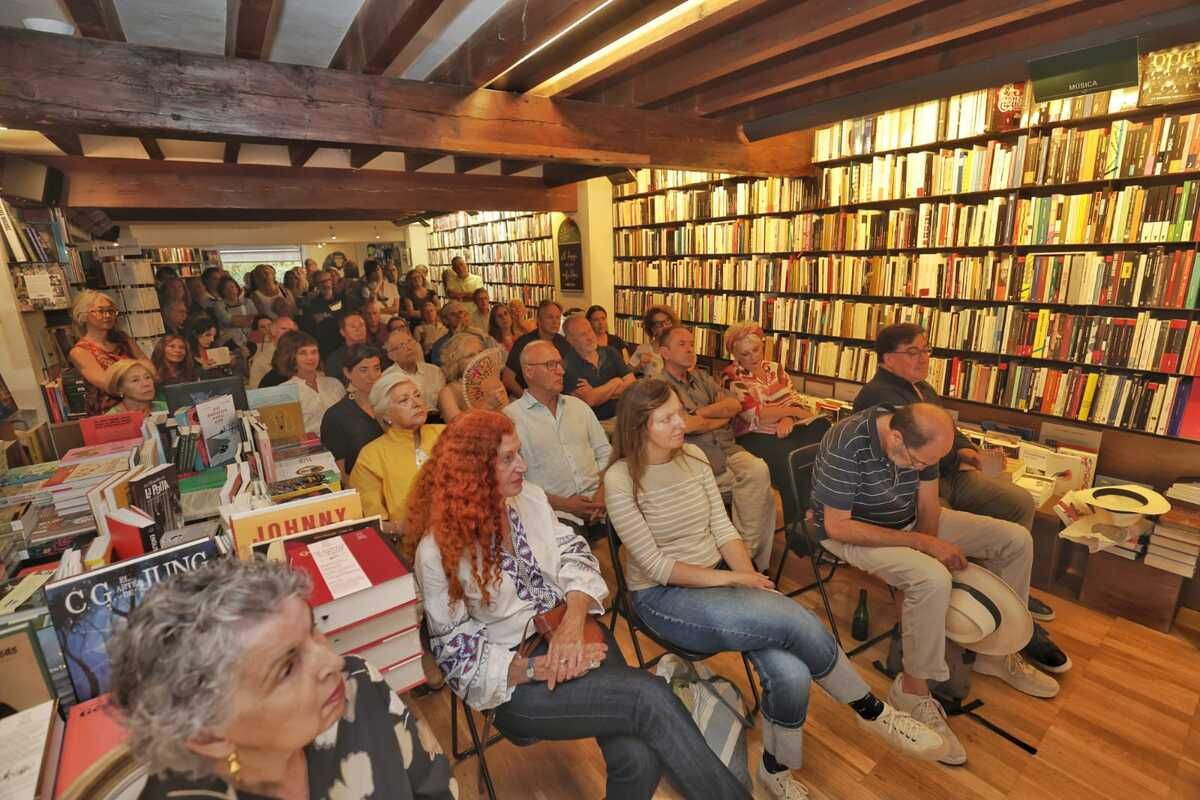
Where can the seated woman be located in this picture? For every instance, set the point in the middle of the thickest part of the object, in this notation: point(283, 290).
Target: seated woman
point(387, 466)
point(457, 355)
point(172, 359)
point(349, 425)
point(522, 323)
point(773, 421)
point(489, 558)
point(598, 317)
point(265, 291)
point(693, 584)
point(100, 345)
point(500, 326)
point(228, 689)
point(430, 327)
point(133, 382)
point(414, 294)
point(646, 361)
point(202, 330)
point(298, 358)
point(234, 312)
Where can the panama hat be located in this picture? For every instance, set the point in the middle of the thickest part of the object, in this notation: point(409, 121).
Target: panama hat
point(1127, 501)
point(985, 614)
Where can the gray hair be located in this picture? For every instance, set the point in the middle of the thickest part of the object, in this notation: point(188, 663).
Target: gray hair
point(454, 358)
point(381, 394)
point(575, 318)
point(175, 666)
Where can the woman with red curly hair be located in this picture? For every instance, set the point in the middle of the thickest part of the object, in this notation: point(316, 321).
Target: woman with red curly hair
point(490, 555)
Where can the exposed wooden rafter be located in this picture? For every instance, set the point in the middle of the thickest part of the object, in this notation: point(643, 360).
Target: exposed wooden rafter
point(150, 145)
point(129, 187)
point(381, 29)
point(119, 89)
point(67, 141)
point(413, 161)
point(299, 154)
point(467, 163)
point(800, 25)
point(250, 27)
point(509, 35)
point(510, 167)
point(96, 19)
point(231, 152)
point(361, 155)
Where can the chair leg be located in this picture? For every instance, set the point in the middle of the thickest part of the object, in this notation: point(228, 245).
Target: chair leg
point(753, 685)
point(613, 612)
point(782, 561)
point(479, 751)
point(637, 647)
point(833, 626)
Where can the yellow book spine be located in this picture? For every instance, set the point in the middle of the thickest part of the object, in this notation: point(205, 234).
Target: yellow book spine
point(1089, 392)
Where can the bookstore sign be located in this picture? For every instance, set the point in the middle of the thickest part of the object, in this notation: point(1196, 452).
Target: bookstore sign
point(570, 257)
point(1094, 69)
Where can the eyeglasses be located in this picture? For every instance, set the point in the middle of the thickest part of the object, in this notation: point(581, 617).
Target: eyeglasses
point(105, 312)
point(913, 352)
point(551, 365)
point(915, 463)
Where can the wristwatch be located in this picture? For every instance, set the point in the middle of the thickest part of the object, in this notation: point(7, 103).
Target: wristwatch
point(529, 669)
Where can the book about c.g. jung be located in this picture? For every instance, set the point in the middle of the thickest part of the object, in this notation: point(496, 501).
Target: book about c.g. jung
point(86, 608)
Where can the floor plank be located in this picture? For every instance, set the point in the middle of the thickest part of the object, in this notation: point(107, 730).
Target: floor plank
point(1126, 723)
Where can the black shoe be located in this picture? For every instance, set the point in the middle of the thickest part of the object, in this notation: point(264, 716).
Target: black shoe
point(1039, 610)
point(1045, 654)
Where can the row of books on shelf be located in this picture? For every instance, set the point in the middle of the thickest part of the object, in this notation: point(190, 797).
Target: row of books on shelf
point(520, 250)
point(655, 180)
point(534, 272)
point(1132, 214)
point(758, 196)
point(527, 294)
point(527, 226)
point(463, 219)
point(127, 272)
point(175, 255)
point(1160, 277)
point(960, 116)
point(1123, 149)
point(1172, 542)
point(40, 235)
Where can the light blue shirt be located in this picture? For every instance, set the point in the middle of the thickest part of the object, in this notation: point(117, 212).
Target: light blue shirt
point(564, 451)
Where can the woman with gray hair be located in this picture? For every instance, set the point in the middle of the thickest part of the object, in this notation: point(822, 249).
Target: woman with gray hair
point(100, 345)
point(228, 690)
point(386, 467)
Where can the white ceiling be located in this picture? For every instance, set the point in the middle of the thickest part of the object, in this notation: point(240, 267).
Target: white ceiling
point(467, 17)
point(197, 25)
point(13, 11)
point(311, 30)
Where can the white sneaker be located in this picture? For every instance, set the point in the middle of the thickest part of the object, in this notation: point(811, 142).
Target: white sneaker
point(908, 735)
point(924, 708)
point(1017, 673)
point(781, 785)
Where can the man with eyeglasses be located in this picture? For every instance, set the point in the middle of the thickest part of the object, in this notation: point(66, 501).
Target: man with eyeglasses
point(875, 505)
point(904, 354)
point(563, 445)
point(549, 320)
point(404, 352)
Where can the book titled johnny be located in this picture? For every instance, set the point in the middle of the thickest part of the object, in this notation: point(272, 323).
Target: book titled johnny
point(87, 608)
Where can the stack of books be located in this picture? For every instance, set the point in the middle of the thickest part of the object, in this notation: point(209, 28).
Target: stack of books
point(84, 467)
point(363, 597)
point(1175, 543)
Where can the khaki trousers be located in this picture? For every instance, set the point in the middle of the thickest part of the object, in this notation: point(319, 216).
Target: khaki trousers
point(748, 480)
point(1003, 547)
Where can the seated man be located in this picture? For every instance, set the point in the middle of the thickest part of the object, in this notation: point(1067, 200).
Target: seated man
point(596, 375)
point(405, 354)
point(549, 319)
point(562, 442)
point(875, 505)
point(353, 329)
point(900, 379)
point(709, 411)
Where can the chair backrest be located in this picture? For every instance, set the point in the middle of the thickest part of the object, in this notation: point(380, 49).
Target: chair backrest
point(800, 470)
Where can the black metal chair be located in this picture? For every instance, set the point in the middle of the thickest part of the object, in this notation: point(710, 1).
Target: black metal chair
point(801, 541)
point(477, 745)
point(623, 605)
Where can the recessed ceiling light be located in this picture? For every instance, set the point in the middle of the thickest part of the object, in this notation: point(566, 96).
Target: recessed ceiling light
point(49, 25)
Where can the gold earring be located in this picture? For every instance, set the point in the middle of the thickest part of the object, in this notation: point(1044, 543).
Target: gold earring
point(235, 766)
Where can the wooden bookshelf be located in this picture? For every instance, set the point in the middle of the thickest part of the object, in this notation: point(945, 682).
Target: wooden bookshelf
point(513, 251)
point(733, 217)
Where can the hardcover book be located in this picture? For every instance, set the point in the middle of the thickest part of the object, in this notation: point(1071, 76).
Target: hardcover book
point(156, 491)
point(86, 608)
point(220, 427)
point(24, 680)
point(105, 428)
point(274, 522)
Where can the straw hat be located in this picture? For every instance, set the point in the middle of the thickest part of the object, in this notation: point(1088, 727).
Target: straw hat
point(985, 614)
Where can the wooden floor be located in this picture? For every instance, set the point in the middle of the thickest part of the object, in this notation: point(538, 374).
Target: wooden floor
point(1126, 725)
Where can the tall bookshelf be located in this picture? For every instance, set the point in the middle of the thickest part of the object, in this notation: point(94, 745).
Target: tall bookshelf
point(188, 262)
point(513, 251)
point(1049, 249)
point(128, 278)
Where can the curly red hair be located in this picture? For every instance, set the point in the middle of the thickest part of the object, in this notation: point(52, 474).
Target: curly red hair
point(455, 499)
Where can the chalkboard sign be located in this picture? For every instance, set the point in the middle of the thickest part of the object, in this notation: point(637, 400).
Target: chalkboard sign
point(570, 257)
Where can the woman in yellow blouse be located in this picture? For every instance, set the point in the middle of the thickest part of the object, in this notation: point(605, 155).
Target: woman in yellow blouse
point(386, 467)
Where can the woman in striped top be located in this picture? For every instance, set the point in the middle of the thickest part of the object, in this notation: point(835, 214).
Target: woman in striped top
point(694, 584)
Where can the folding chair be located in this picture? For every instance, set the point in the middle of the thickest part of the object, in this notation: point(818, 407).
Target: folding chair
point(800, 540)
point(477, 746)
point(623, 604)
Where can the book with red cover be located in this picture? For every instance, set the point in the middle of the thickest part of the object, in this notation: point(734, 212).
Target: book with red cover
point(106, 428)
point(133, 532)
point(99, 452)
point(355, 576)
point(93, 735)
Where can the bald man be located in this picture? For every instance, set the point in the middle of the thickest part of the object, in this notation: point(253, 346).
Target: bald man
point(875, 505)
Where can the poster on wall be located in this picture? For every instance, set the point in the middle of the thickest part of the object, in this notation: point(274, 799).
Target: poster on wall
point(570, 257)
point(1170, 76)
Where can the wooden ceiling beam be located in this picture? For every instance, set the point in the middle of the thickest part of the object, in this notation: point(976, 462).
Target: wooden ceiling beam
point(670, 29)
point(232, 149)
point(116, 183)
point(511, 167)
point(150, 145)
point(800, 25)
point(972, 63)
point(555, 175)
point(892, 38)
point(96, 19)
point(380, 30)
point(509, 35)
point(119, 89)
point(361, 155)
point(464, 164)
point(250, 27)
point(67, 141)
point(299, 154)
point(415, 160)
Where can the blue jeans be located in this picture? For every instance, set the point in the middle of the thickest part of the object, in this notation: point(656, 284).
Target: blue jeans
point(640, 725)
point(787, 644)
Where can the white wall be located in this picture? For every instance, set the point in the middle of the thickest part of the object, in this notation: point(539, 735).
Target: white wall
point(594, 219)
point(20, 356)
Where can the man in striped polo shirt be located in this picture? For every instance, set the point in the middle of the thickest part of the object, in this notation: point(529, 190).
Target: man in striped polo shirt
point(875, 504)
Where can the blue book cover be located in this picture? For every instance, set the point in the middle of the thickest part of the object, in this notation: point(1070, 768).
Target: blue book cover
point(87, 608)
